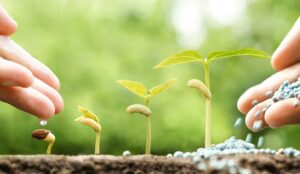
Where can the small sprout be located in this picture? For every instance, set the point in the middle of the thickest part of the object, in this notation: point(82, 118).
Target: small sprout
point(90, 119)
point(195, 83)
point(126, 153)
point(45, 135)
point(140, 90)
point(138, 108)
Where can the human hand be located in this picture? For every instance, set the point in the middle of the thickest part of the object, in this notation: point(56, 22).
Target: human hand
point(24, 81)
point(286, 61)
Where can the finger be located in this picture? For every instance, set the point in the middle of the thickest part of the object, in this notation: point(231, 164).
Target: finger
point(288, 51)
point(51, 93)
point(13, 74)
point(28, 100)
point(13, 52)
point(259, 92)
point(257, 114)
point(7, 24)
point(283, 113)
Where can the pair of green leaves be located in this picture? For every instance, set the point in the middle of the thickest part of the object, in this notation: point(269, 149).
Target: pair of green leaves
point(140, 89)
point(193, 56)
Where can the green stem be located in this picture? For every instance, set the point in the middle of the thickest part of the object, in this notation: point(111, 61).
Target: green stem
point(148, 135)
point(148, 140)
point(207, 106)
point(49, 148)
point(97, 143)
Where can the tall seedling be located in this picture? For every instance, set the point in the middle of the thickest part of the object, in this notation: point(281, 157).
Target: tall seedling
point(194, 56)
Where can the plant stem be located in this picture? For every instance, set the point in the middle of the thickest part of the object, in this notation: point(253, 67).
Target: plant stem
point(207, 107)
point(49, 148)
point(97, 143)
point(148, 135)
point(148, 140)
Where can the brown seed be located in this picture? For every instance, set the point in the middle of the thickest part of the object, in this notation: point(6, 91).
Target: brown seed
point(40, 134)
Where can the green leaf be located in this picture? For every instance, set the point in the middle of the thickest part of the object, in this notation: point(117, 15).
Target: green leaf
point(181, 57)
point(86, 113)
point(162, 87)
point(133, 86)
point(242, 52)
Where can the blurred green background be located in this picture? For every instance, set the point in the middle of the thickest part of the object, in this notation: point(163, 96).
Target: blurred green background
point(91, 44)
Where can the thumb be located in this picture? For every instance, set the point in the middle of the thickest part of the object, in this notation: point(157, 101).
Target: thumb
point(7, 24)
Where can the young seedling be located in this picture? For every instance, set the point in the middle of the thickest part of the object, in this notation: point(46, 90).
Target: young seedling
point(140, 90)
point(90, 119)
point(194, 56)
point(45, 135)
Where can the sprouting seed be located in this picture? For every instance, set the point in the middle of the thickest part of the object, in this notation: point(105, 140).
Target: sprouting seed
point(88, 118)
point(238, 122)
point(260, 141)
point(248, 138)
point(296, 103)
point(43, 122)
point(45, 135)
point(269, 93)
point(257, 113)
point(257, 125)
point(254, 102)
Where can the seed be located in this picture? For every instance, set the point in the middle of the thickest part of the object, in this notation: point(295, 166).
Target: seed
point(178, 154)
point(126, 153)
point(257, 113)
point(238, 122)
point(260, 141)
point(195, 83)
point(138, 108)
point(296, 103)
point(257, 125)
point(248, 138)
point(269, 93)
point(254, 102)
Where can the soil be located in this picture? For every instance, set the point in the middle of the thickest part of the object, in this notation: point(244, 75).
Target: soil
point(139, 164)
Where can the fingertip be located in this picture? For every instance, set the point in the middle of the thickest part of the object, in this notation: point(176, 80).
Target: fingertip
point(7, 23)
point(60, 105)
point(283, 113)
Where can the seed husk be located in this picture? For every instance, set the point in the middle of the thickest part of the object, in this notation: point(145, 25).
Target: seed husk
point(195, 83)
point(40, 134)
point(138, 108)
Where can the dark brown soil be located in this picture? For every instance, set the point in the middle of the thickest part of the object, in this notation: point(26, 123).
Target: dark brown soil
point(37, 164)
